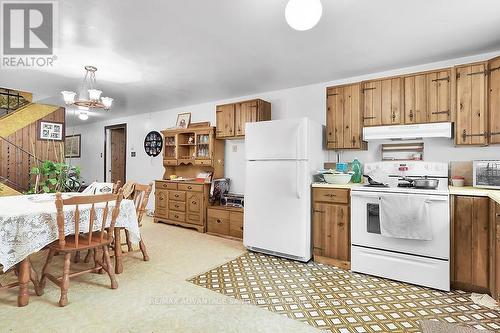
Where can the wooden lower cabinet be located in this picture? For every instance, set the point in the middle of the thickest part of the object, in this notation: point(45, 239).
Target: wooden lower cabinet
point(225, 221)
point(182, 204)
point(475, 248)
point(331, 227)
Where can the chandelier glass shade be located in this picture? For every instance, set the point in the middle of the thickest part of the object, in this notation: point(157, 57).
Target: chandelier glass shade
point(88, 95)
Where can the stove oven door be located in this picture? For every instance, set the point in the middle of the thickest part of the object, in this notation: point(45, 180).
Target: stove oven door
point(365, 226)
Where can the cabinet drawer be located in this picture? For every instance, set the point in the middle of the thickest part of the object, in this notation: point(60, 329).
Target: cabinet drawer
point(331, 195)
point(164, 185)
point(177, 195)
point(160, 212)
point(177, 206)
point(218, 213)
point(191, 187)
point(203, 162)
point(170, 162)
point(194, 218)
point(177, 216)
point(236, 225)
point(218, 225)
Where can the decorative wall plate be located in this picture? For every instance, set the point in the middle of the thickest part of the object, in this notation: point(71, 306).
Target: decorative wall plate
point(153, 143)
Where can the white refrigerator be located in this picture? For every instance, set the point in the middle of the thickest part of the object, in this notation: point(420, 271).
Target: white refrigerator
point(281, 158)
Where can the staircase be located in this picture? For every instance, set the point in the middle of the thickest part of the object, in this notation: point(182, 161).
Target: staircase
point(20, 149)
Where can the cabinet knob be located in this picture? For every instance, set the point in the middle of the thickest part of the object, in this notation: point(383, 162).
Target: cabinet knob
point(176, 195)
point(219, 221)
point(190, 187)
point(176, 216)
point(194, 202)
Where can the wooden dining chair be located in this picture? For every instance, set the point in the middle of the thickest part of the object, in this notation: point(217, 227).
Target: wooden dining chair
point(95, 240)
point(17, 270)
point(140, 198)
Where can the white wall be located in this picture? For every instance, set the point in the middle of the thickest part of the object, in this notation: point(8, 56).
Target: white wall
point(307, 101)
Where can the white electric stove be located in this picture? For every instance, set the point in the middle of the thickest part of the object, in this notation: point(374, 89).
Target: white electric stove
point(421, 262)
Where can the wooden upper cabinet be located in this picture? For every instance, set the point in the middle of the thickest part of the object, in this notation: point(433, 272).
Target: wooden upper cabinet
point(494, 100)
point(343, 117)
point(231, 118)
point(471, 123)
point(427, 97)
point(382, 102)
point(225, 120)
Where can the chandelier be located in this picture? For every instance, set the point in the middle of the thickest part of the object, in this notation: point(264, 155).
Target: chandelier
point(88, 97)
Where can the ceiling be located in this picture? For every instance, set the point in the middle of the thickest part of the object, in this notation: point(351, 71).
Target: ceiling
point(155, 55)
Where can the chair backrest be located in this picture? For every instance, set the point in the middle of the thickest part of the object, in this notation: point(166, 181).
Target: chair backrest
point(88, 200)
point(141, 198)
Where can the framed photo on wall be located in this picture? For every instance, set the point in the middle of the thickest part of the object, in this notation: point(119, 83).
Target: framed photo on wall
point(50, 130)
point(73, 146)
point(183, 120)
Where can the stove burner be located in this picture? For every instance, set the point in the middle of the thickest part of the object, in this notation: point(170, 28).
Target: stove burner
point(376, 185)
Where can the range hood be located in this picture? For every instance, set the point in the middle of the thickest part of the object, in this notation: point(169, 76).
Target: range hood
point(407, 132)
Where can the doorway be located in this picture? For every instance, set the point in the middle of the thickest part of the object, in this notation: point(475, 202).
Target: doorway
point(115, 153)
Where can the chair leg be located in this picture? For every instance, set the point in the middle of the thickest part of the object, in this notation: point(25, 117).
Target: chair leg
point(63, 301)
point(46, 269)
point(76, 259)
point(118, 252)
point(109, 268)
point(129, 243)
point(87, 257)
point(34, 280)
point(97, 260)
point(142, 246)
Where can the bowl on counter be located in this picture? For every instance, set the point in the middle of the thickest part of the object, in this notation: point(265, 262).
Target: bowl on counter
point(337, 178)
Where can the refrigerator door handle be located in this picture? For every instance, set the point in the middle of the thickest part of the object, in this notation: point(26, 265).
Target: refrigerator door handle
point(297, 166)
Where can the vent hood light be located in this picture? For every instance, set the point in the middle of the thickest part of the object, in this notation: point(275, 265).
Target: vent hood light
point(408, 132)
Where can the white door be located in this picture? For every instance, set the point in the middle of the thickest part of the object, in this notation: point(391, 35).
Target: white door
point(277, 208)
point(277, 139)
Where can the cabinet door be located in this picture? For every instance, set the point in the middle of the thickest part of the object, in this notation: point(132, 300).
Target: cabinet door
point(471, 105)
point(225, 120)
point(331, 236)
point(161, 202)
point(334, 117)
point(438, 96)
point(194, 207)
point(495, 229)
point(415, 95)
point(494, 67)
point(470, 242)
point(245, 112)
point(352, 125)
point(383, 102)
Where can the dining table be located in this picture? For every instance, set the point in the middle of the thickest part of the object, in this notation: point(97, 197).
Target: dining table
point(28, 224)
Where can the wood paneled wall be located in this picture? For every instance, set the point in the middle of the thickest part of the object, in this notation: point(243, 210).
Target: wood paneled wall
point(16, 164)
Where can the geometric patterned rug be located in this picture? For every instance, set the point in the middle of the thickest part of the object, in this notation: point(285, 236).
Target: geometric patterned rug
point(336, 300)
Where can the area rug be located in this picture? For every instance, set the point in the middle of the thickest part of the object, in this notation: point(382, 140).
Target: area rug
point(337, 300)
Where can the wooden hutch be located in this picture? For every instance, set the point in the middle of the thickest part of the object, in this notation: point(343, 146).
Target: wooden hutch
point(186, 153)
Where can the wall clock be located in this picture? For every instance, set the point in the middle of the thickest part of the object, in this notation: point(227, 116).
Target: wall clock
point(153, 143)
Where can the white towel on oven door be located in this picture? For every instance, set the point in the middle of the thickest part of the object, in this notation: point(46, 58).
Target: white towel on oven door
point(405, 216)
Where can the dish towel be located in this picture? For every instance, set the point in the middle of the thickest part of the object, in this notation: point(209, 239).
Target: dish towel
point(404, 216)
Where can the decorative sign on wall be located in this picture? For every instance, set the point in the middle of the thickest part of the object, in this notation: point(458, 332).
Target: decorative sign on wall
point(153, 143)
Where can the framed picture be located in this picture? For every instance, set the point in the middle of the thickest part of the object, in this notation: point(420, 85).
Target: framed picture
point(183, 120)
point(50, 130)
point(73, 146)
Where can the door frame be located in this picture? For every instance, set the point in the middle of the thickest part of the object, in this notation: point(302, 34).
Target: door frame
point(111, 127)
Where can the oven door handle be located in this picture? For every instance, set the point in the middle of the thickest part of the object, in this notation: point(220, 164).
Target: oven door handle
point(436, 200)
point(366, 195)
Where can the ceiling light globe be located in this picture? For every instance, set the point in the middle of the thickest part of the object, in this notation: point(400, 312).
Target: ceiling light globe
point(68, 97)
point(107, 101)
point(83, 115)
point(303, 15)
point(94, 94)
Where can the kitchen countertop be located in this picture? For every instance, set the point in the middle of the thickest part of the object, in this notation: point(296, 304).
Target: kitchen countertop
point(476, 192)
point(326, 185)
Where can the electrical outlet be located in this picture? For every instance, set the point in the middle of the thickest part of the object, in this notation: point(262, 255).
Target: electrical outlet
point(132, 154)
point(235, 148)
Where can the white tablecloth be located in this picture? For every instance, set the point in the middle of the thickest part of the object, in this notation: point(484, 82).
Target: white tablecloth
point(28, 223)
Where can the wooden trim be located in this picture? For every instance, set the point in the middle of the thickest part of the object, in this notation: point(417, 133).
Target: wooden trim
point(199, 228)
point(110, 127)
